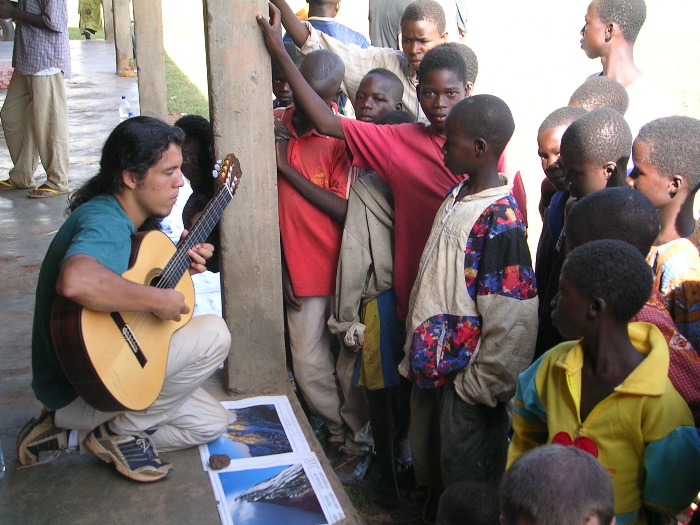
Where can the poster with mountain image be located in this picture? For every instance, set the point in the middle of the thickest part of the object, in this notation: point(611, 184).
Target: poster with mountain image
point(258, 427)
point(273, 476)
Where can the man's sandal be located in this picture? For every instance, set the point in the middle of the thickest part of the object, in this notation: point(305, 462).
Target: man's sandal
point(7, 184)
point(43, 191)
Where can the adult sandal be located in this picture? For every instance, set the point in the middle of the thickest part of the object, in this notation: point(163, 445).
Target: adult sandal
point(43, 191)
point(7, 184)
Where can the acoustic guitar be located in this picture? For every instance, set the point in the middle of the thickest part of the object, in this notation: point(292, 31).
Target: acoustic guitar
point(116, 360)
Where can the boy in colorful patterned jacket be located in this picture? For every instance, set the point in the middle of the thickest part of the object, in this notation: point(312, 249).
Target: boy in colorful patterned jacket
point(473, 310)
point(609, 392)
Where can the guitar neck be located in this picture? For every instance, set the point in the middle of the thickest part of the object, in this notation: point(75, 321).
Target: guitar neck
point(180, 262)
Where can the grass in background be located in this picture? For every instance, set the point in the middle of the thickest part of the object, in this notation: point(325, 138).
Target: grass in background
point(183, 96)
point(75, 34)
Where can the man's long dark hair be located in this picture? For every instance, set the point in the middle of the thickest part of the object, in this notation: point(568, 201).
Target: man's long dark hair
point(135, 145)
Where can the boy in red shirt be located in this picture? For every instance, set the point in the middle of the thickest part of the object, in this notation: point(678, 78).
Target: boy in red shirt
point(406, 156)
point(311, 217)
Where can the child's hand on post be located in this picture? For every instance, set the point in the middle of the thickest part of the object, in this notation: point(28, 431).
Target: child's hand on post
point(272, 29)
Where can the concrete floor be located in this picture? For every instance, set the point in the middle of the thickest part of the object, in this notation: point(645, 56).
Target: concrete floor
point(77, 489)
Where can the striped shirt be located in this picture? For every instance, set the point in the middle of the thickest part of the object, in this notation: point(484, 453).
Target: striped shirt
point(358, 62)
point(39, 49)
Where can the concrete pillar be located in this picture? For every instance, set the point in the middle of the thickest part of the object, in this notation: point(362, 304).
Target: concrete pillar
point(240, 96)
point(122, 38)
point(108, 18)
point(148, 27)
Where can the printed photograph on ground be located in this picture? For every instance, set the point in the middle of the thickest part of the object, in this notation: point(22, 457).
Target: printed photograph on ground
point(280, 494)
point(254, 432)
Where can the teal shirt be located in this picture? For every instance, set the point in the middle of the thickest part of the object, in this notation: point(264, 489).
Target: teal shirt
point(99, 228)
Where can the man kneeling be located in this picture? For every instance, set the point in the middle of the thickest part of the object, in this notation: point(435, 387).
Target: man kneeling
point(137, 184)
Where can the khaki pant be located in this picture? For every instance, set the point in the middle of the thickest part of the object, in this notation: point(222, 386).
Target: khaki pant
point(326, 385)
point(35, 122)
point(184, 414)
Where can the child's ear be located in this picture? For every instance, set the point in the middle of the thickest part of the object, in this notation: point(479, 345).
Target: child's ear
point(480, 147)
point(596, 308)
point(609, 31)
point(468, 88)
point(399, 106)
point(610, 170)
point(676, 183)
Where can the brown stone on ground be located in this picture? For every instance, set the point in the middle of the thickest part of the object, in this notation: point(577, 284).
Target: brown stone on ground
point(219, 461)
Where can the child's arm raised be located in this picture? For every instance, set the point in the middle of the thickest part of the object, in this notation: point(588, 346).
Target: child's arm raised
point(296, 29)
point(323, 118)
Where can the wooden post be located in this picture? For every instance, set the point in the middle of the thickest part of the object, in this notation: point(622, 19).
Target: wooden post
point(108, 18)
point(148, 27)
point(122, 38)
point(240, 103)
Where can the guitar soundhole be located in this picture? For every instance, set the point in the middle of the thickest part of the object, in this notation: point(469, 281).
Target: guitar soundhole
point(153, 277)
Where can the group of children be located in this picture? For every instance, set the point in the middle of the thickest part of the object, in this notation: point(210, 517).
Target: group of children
point(402, 234)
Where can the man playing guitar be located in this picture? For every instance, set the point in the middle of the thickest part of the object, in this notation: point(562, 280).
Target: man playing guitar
point(138, 181)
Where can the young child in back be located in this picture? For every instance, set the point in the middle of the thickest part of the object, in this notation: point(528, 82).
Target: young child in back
point(472, 311)
point(280, 87)
point(609, 393)
point(601, 92)
point(469, 503)
point(557, 485)
point(594, 153)
point(313, 188)
point(548, 147)
point(365, 304)
point(666, 157)
point(624, 214)
point(197, 165)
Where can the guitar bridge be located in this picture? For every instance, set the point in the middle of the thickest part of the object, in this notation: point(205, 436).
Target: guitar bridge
point(129, 337)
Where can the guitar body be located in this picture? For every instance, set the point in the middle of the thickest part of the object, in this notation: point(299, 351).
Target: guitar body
point(94, 347)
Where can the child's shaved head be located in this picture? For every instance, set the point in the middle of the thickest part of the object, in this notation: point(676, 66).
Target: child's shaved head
point(425, 10)
point(561, 117)
point(674, 147)
point(628, 14)
point(394, 82)
point(599, 136)
point(470, 60)
point(487, 117)
point(621, 214)
point(601, 92)
point(443, 58)
point(324, 71)
point(614, 271)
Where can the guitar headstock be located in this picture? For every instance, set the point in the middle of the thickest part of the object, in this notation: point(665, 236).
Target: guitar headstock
point(229, 172)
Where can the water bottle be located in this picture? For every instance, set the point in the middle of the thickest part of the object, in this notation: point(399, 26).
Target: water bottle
point(124, 109)
point(131, 114)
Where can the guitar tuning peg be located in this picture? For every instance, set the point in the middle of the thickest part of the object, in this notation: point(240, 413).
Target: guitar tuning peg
point(215, 172)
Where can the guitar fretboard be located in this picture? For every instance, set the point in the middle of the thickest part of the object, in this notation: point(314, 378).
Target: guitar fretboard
point(180, 262)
